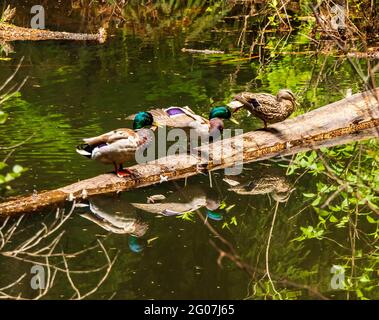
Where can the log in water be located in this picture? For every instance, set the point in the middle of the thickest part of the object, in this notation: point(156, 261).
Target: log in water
point(10, 32)
point(350, 119)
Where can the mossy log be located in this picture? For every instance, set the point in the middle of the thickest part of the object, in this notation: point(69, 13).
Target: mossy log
point(350, 119)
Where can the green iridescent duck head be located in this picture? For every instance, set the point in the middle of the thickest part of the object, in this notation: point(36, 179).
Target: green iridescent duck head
point(221, 112)
point(143, 119)
point(216, 123)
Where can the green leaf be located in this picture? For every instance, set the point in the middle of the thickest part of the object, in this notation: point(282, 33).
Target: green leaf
point(309, 195)
point(316, 201)
point(3, 165)
point(342, 222)
point(3, 117)
point(9, 177)
point(17, 169)
point(371, 219)
point(225, 225)
point(188, 216)
point(152, 239)
point(230, 207)
point(222, 205)
point(364, 278)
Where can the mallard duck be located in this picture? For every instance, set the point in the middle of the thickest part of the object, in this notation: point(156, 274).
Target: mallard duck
point(265, 106)
point(184, 117)
point(120, 145)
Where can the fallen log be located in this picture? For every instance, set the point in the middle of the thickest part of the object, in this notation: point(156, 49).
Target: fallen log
point(372, 53)
point(10, 32)
point(350, 119)
point(205, 51)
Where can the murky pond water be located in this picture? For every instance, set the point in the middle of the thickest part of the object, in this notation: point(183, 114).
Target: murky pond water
point(75, 90)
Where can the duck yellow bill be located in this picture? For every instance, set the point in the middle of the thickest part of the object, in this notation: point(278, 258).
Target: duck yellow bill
point(234, 120)
point(156, 124)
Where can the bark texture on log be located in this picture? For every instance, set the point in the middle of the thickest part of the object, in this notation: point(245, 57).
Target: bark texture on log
point(351, 119)
point(10, 32)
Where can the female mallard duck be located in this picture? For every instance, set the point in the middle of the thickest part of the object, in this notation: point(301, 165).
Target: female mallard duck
point(265, 106)
point(184, 117)
point(120, 145)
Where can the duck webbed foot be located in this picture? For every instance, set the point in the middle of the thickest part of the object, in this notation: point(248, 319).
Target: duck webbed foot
point(124, 172)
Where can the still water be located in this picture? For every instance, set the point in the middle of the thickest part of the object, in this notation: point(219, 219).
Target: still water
point(75, 90)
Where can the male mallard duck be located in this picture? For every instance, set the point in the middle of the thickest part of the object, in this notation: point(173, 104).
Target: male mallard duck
point(265, 106)
point(184, 117)
point(120, 145)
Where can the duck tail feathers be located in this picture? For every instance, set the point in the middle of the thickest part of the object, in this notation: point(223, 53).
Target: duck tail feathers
point(85, 150)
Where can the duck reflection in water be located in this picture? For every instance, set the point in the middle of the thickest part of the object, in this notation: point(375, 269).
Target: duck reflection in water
point(116, 215)
point(267, 181)
point(185, 200)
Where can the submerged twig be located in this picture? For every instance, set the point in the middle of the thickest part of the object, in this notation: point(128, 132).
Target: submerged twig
point(40, 249)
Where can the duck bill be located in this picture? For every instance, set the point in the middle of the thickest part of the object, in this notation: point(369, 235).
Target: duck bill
point(235, 105)
point(156, 124)
point(234, 120)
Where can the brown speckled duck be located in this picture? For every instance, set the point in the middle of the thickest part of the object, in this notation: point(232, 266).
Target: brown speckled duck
point(265, 106)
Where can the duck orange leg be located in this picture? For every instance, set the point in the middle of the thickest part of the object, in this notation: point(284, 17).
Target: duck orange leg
point(123, 172)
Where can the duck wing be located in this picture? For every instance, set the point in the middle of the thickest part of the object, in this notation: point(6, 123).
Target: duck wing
point(117, 151)
point(263, 105)
point(194, 116)
point(256, 100)
point(176, 117)
point(269, 108)
point(112, 136)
